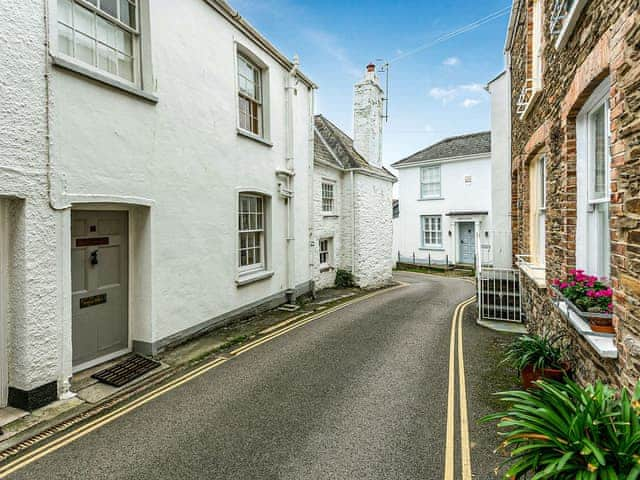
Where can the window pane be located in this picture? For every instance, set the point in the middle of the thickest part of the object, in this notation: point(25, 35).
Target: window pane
point(599, 153)
point(85, 47)
point(110, 7)
point(84, 20)
point(64, 11)
point(106, 32)
point(128, 13)
point(107, 59)
point(125, 67)
point(124, 41)
point(65, 39)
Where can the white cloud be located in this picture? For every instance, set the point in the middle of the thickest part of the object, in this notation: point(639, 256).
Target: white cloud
point(469, 103)
point(443, 94)
point(473, 87)
point(451, 62)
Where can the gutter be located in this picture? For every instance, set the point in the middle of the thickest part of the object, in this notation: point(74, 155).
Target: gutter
point(234, 17)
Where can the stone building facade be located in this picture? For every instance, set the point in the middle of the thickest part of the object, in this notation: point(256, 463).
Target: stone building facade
point(575, 85)
point(352, 202)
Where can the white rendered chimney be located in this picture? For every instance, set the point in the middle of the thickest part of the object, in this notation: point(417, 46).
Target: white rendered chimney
point(367, 117)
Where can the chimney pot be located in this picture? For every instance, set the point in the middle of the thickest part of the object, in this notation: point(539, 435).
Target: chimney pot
point(371, 67)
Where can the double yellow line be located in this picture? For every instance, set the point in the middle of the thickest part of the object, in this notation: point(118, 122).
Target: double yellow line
point(89, 427)
point(449, 466)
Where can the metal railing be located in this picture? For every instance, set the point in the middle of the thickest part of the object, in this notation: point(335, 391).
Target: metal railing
point(498, 291)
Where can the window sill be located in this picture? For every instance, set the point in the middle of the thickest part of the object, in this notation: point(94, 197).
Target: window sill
point(537, 274)
point(252, 277)
point(428, 199)
point(326, 268)
point(603, 344)
point(330, 215)
point(432, 249)
point(95, 74)
point(532, 101)
point(252, 136)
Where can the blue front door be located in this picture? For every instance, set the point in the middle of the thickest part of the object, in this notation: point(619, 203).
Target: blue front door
point(467, 242)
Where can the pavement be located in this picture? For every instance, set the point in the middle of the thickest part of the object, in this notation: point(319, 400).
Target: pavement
point(360, 393)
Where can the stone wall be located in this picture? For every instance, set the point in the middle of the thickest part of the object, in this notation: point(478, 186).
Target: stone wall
point(604, 43)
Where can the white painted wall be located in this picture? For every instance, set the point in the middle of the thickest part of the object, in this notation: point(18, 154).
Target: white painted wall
point(373, 231)
point(500, 92)
point(33, 297)
point(176, 166)
point(185, 156)
point(456, 196)
point(329, 226)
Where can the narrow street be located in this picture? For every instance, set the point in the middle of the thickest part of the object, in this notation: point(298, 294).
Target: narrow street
point(358, 394)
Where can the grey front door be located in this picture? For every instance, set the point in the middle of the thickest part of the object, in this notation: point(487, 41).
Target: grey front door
point(99, 276)
point(467, 236)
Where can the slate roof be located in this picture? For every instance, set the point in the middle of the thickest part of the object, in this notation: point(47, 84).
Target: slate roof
point(340, 152)
point(460, 146)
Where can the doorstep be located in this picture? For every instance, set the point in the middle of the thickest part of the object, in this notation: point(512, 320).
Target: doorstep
point(10, 415)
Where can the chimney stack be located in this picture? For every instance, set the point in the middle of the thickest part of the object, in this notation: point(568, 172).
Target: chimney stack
point(368, 117)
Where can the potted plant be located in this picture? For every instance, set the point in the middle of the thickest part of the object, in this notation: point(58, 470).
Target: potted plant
point(564, 431)
point(537, 357)
point(589, 298)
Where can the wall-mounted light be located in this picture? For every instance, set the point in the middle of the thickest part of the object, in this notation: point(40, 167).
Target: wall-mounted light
point(450, 233)
point(486, 234)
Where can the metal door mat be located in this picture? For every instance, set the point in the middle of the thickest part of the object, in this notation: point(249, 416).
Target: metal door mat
point(126, 371)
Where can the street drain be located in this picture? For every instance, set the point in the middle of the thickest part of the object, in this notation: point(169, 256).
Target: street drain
point(126, 371)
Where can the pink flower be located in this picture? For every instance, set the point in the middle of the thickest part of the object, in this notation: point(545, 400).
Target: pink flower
point(572, 284)
point(555, 282)
point(610, 307)
point(563, 285)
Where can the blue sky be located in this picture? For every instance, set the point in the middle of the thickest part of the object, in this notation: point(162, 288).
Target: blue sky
point(433, 94)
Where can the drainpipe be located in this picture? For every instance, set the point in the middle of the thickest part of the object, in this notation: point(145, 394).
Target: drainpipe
point(290, 168)
point(353, 219)
point(310, 190)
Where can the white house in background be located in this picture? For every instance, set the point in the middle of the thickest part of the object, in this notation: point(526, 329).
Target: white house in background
point(445, 201)
point(155, 178)
point(500, 90)
point(352, 217)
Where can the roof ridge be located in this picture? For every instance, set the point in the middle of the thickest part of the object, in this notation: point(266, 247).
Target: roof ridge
point(434, 146)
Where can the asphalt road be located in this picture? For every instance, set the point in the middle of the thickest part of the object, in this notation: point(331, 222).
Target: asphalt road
point(359, 394)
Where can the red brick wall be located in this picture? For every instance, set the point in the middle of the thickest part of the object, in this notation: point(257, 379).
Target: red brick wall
point(605, 42)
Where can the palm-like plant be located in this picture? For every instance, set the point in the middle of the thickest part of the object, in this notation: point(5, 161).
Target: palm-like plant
point(536, 351)
point(565, 432)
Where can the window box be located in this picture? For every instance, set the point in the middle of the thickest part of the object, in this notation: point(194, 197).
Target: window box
point(598, 324)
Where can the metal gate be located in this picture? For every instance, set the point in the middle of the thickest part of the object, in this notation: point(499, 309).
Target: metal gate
point(499, 294)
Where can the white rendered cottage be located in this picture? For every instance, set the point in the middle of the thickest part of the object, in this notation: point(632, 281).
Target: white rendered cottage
point(154, 181)
point(445, 202)
point(352, 217)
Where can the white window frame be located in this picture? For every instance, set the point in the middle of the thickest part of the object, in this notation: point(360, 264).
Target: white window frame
point(593, 242)
point(429, 221)
point(328, 201)
point(424, 183)
point(257, 101)
point(93, 69)
point(261, 231)
point(568, 20)
point(537, 38)
point(538, 202)
point(325, 250)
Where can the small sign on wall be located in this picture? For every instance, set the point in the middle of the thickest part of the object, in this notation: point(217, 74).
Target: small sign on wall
point(467, 179)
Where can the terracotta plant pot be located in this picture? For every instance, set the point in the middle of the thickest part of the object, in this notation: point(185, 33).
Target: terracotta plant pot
point(602, 325)
point(529, 375)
